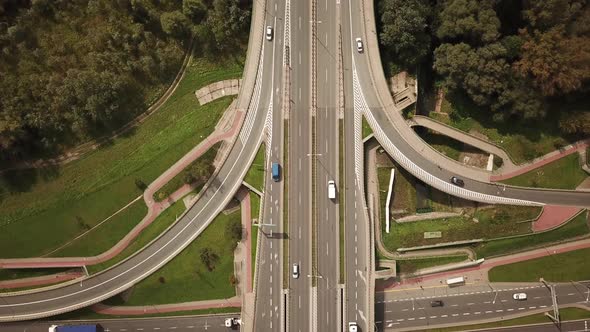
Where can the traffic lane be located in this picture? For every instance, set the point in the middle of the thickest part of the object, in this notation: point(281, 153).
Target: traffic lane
point(419, 312)
point(300, 167)
point(181, 324)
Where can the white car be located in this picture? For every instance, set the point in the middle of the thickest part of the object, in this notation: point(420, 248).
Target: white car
point(352, 327)
point(268, 32)
point(295, 271)
point(359, 45)
point(519, 296)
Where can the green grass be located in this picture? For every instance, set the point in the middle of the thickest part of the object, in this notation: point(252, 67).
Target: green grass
point(88, 314)
point(564, 173)
point(106, 235)
point(574, 228)
point(11, 274)
point(177, 181)
point(149, 233)
point(254, 213)
point(255, 175)
point(565, 315)
point(39, 209)
point(588, 156)
point(366, 128)
point(492, 223)
point(443, 144)
point(578, 268)
point(186, 277)
point(411, 265)
point(523, 141)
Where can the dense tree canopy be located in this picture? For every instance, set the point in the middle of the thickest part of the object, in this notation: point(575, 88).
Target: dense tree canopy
point(404, 29)
point(513, 57)
point(73, 69)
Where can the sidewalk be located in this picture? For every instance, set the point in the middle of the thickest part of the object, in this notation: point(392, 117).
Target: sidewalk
point(163, 308)
point(38, 281)
point(543, 160)
point(553, 216)
point(154, 208)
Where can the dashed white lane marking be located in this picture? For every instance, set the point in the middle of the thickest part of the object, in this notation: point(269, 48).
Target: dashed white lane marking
point(533, 307)
point(421, 317)
point(444, 316)
point(510, 309)
point(477, 313)
point(466, 314)
point(455, 315)
point(522, 308)
point(488, 311)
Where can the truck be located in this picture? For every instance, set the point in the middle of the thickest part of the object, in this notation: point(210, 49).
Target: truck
point(456, 281)
point(75, 328)
point(276, 172)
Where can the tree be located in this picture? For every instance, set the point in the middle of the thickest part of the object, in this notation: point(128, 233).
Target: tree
point(575, 123)
point(234, 229)
point(209, 258)
point(195, 10)
point(546, 14)
point(174, 23)
point(558, 64)
point(471, 21)
point(227, 22)
point(404, 29)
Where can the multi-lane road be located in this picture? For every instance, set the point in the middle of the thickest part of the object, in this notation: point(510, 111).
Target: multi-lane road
point(269, 301)
point(411, 309)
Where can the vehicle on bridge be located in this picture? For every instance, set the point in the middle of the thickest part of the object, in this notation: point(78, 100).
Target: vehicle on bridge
point(457, 181)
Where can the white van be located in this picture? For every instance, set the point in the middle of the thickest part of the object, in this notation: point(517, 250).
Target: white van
point(331, 189)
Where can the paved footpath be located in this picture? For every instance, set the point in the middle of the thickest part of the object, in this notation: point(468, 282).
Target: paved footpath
point(158, 309)
point(154, 208)
point(38, 281)
point(479, 274)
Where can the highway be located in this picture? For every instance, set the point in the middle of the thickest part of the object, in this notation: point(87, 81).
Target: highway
point(327, 164)
point(299, 168)
point(357, 246)
point(269, 303)
point(213, 323)
point(582, 325)
point(222, 188)
point(411, 309)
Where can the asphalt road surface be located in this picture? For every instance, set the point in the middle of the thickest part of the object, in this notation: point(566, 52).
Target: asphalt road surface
point(356, 226)
point(327, 162)
point(162, 250)
point(299, 168)
point(161, 324)
point(412, 309)
point(268, 307)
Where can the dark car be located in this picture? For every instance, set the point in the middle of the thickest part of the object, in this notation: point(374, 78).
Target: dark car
point(436, 303)
point(457, 181)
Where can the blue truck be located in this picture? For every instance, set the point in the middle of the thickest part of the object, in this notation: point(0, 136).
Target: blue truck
point(276, 172)
point(75, 328)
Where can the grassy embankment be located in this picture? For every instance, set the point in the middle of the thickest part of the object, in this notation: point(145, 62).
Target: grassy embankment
point(255, 175)
point(578, 268)
point(411, 265)
point(44, 208)
point(522, 143)
point(201, 170)
point(576, 227)
point(186, 277)
point(564, 173)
